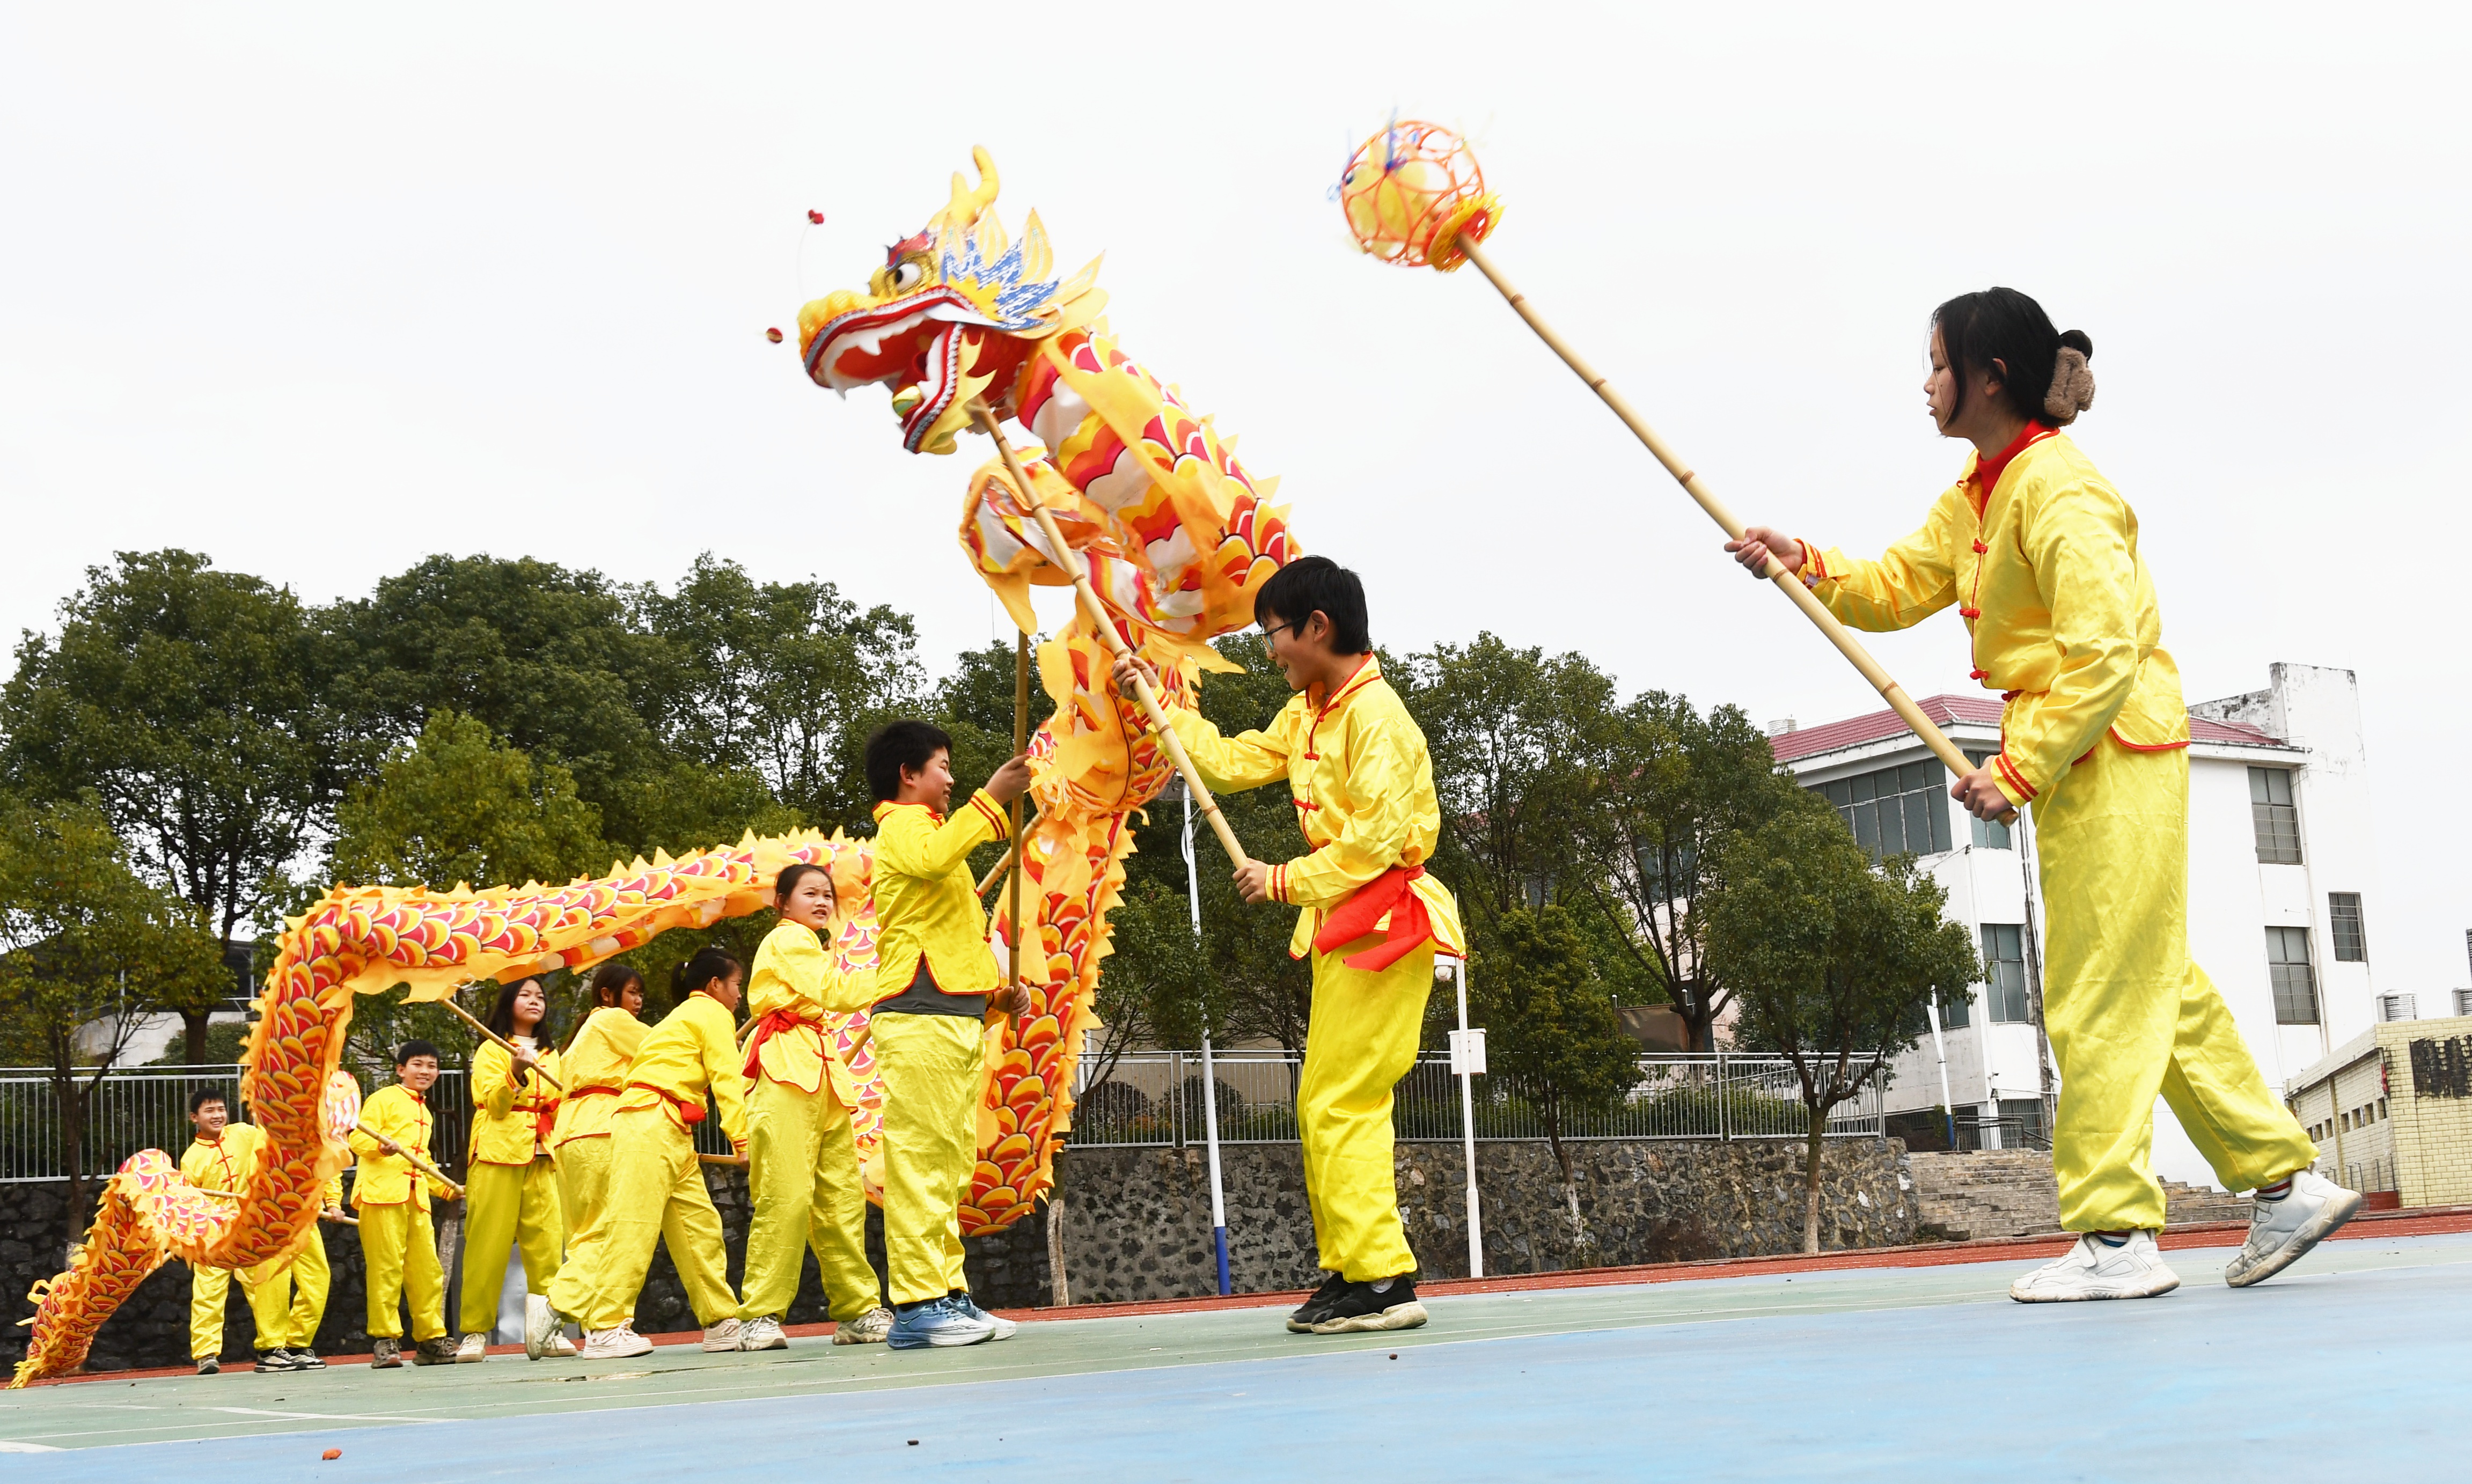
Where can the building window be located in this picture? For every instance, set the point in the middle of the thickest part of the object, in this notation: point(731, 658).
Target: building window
point(2287, 964)
point(2399, 1007)
point(1894, 810)
point(1957, 1012)
point(2003, 969)
point(2463, 1001)
point(2276, 819)
point(2351, 939)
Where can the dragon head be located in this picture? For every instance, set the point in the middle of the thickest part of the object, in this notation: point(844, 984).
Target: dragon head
point(955, 309)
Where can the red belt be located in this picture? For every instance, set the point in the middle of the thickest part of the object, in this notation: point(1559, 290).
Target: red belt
point(545, 1120)
point(689, 1113)
point(774, 1022)
point(1391, 892)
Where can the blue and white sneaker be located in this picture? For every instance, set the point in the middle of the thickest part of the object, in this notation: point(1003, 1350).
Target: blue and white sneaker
point(937, 1323)
point(960, 1299)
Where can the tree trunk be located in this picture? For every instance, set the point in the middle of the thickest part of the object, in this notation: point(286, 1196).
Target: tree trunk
point(72, 1114)
point(1553, 1111)
point(1811, 1178)
point(193, 1035)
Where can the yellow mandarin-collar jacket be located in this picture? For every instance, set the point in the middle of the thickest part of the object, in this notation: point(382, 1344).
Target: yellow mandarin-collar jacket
point(225, 1164)
point(386, 1178)
point(2062, 612)
point(796, 977)
point(1363, 787)
point(925, 901)
point(505, 1114)
point(599, 1056)
point(694, 1051)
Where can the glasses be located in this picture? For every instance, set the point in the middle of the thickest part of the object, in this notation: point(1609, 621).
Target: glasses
point(1271, 629)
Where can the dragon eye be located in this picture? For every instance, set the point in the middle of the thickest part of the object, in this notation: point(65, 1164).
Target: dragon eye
point(908, 274)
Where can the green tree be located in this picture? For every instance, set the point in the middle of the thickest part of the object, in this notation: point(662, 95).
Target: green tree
point(1552, 1027)
point(457, 807)
point(1833, 959)
point(88, 950)
point(1677, 785)
point(186, 702)
point(1157, 989)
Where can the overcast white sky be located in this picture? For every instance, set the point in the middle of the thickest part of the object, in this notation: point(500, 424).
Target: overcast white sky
point(320, 292)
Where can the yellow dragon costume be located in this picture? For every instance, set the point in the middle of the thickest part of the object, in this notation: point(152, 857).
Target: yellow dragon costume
point(1176, 535)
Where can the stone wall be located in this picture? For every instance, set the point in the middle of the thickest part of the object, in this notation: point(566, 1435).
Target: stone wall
point(2013, 1193)
point(1137, 1221)
point(1136, 1225)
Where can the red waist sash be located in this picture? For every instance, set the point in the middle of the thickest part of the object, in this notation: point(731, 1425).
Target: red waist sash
point(689, 1113)
point(1391, 892)
point(774, 1022)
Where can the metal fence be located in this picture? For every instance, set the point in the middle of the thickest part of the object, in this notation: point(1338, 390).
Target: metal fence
point(1155, 1098)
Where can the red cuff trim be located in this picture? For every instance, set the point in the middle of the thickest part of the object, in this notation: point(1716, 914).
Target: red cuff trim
point(1279, 884)
point(1815, 568)
point(2008, 773)
point(995, 816)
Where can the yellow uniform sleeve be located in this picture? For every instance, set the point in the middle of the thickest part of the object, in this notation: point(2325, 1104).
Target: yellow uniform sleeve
point(907, 844)
point(717, 1037)
point(334, 1191)
point(2081, 540)
point(195, 1160)
point(1248, 760)
point(1383, 782)
point(1911, 580)
point(493, 1083)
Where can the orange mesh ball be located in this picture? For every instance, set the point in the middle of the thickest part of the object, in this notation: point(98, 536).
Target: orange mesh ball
point(1414, 192)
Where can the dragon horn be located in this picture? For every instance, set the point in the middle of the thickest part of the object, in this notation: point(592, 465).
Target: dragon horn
point(967, 203)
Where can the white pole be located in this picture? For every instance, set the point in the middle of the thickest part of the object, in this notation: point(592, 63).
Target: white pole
point(1467, 1125)
point(1948, 1107)
point(1209, 1077)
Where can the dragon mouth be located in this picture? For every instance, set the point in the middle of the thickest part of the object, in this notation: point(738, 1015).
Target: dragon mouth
point(911, 346)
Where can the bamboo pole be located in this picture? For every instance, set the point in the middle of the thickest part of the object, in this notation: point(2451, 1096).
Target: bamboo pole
point(511, 1049)
point(733, 1160)
point(1108, 635)
point(1787, 582)
point(1020, 746)
point(413, 1160)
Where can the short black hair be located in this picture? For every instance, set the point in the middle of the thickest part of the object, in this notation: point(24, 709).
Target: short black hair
point(414, 1047)
point(207, 1094)
point(898, 745)
point(1316, 584)
point(2006, 326)
point(710, 962)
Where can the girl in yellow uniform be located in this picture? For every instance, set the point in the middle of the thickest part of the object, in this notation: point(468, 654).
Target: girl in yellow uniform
point(802, 1169)
point(595, 1060)
point(2039, 556)
point(1356, 764)
point(511, 1183)
point(657, 1190)
point(936, 982)
point(392, 1197)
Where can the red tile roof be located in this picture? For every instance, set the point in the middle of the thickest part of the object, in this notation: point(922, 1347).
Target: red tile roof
point(1962, 711)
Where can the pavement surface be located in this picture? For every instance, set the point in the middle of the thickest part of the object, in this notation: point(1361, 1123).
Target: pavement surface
point(2355, 1359)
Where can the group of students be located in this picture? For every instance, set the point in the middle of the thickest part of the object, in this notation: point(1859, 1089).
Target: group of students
point(2034, 547)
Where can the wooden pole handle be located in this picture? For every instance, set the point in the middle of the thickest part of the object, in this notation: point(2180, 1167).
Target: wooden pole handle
point(1787, 582)
point(416, 1162)
point(1108, 635)
point(1020, 746)
point(732, 1161)
point(469, 1019)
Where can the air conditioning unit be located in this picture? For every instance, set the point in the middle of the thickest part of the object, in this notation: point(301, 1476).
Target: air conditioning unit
point(2463, 1001)
point(2399, 1007)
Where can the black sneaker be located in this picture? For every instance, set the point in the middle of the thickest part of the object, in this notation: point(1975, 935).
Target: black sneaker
point(208, 1365)
point(1313, 1310)
point(1388, 1304)
point(277, 1361)
point(306, 1360)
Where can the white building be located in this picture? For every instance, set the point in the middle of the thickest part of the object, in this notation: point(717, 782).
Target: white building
point(2282, 890)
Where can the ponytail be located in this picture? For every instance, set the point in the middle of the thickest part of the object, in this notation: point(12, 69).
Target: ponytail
point(610, 981)
point(710, 962)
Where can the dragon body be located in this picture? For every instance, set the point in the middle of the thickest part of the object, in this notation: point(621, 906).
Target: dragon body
point(1174, 532)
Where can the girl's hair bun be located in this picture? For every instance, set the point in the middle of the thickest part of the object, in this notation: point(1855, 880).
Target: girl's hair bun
point(2072, 379)
point(2080, 341)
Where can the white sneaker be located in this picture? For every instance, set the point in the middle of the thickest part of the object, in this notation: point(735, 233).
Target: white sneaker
point(762, 1332)
point(2095, 1269)
point(1004, 1328)
point(723, 1338)
point(561, 1348)
point(475, 1348)
point(869, 1329)
point(542, 1326)
point(614, 1343)
point(2281, 1232)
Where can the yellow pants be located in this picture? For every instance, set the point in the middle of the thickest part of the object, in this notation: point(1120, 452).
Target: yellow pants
point(1361, 1041)
point(2129, 1015)
point(656, 1194)
point(933, 1076)
point(287, 1298)
point(803, 1173)
point(402, 1251)
point(582, 1187)
point(508, 1205)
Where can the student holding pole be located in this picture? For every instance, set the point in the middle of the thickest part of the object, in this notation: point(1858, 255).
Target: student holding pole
point(392, 1191)
point(802, 1155)
point(2038, 553)
point(511, 1178)
point(595, 1062)
point(287, 1296)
